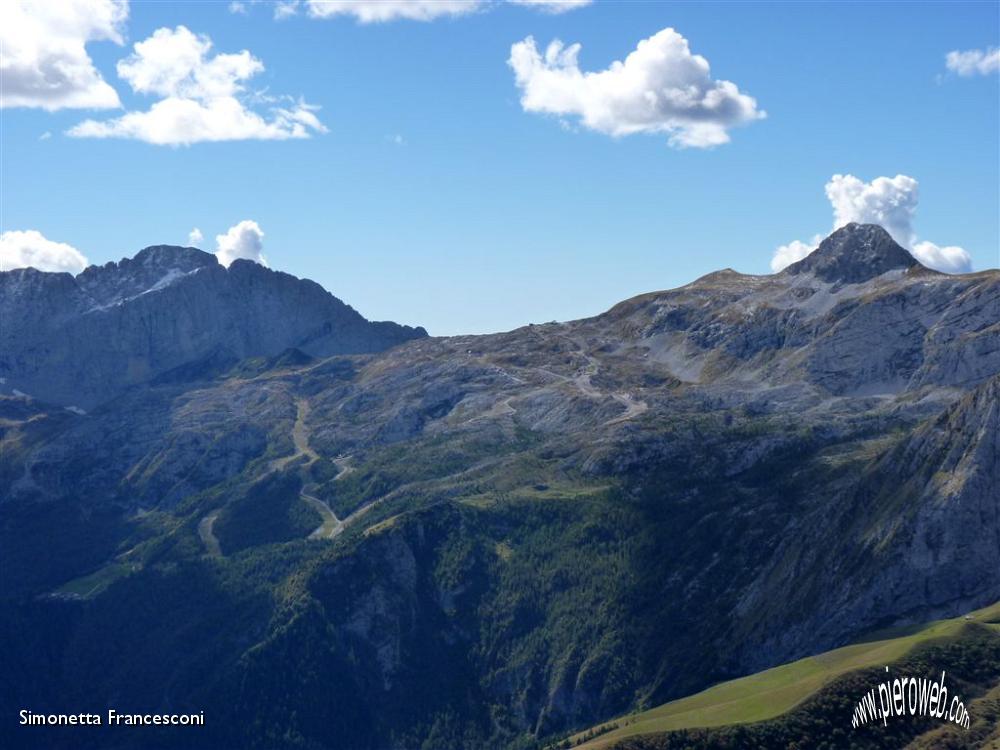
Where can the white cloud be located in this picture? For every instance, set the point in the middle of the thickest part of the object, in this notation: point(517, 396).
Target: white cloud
point(378, 11)
point(950, 259)
point(204, 97)
point(45, 62)
point(20, 249)
point(243, 240)
point(195, 237)
point(45, 136)
point(793, 252)
point(660, 88)
point(381, 11)
point(237, 7)
point(890, 202)
point(285, 9)
point(552, 6)
point(973, 61)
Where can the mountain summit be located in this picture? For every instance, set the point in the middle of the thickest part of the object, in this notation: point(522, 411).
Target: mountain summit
point(150, 266)
point(853, 254)
point(78, 341)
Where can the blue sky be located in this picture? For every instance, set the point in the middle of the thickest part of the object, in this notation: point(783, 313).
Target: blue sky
point(486, 216)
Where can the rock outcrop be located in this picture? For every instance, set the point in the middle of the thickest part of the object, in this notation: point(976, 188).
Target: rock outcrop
point(855, 253)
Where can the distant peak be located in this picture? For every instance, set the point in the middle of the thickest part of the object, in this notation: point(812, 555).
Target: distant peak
point(174, 256)
point(151, 269)
point(853, 254)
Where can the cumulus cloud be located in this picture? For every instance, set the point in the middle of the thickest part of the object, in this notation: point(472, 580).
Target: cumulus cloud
point(243, 240)
point(45, 62)
point(793, 252)
point(890, 202)
point(20, 249)
point(204, 97)
point(950, 259)
point(195, 237)
point(660, 88)
point(378, 11)
point(972, 62)
point(552, 6)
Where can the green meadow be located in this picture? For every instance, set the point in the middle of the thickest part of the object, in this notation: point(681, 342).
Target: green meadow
point(773, 692)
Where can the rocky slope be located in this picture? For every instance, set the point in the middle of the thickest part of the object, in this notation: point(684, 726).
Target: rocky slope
point(541, 528)
point(79, 341)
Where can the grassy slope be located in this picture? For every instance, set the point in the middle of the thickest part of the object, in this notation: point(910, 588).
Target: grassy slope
point(90, 585)
point(775, 691)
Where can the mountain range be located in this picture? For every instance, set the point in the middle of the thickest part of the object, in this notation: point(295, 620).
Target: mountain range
point(224, 490)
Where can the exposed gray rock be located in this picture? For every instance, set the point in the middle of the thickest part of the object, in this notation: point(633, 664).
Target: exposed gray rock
point(80, 341)
point(916, 537)
point(854, 253)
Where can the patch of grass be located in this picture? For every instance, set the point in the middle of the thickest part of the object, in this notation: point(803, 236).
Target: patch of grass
point(89, 586)
point(775, 691)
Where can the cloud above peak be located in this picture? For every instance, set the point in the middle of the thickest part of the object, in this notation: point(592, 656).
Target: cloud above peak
point(890, 202)
point(21, 249)
point(45, 62)
point(661, 87)
point(242, 240)
point(203, 96)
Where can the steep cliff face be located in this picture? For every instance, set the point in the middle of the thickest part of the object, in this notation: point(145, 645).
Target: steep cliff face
point(79, 341)
point(903, 532)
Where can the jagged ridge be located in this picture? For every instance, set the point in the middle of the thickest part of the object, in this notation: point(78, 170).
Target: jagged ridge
point(80, 341)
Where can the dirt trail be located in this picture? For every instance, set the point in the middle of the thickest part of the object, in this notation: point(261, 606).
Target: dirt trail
point(331, 526)
point(208, 537)
point(343, 464)
point(633, 407)
point(300, 439)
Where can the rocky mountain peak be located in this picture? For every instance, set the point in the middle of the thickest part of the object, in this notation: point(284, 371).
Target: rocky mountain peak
point(81, 341)
point(853, 254)
point(174, 256)
point(151, 266)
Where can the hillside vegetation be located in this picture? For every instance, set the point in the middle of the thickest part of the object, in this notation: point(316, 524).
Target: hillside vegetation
point(776, 691)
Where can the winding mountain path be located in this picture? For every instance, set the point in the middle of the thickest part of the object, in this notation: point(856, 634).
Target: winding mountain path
point(300, 439)
point(331, 526)
point(582, 381)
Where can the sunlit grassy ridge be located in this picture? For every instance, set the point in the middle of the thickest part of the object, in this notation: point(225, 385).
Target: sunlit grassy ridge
point(775, 691)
